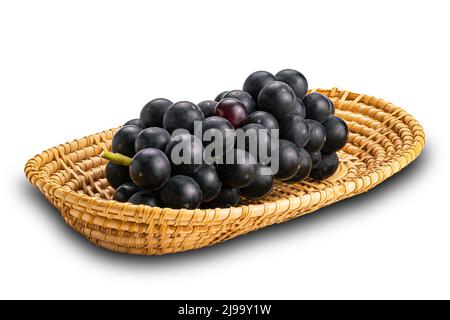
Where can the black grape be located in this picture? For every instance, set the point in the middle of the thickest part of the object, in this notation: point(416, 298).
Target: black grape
point(228, 197)
point(220, 96)
point(152, 137)
point(238, 168)
point(181, 192)
point(117, 175)
point(318, 107)
point(262, 185)
point(208, 107)
point(337, 134)
point(316, 134)
point(289, 160)
point(256, 81)
point(182, 115)
point(316, 157)
point(125, 191)
point(150, 169)
point(327, 167)
point(295, 80)
point(152, 113)
point(134, 122)
point(299, 109)
point(217, 127)
point(148, 198)
point(208, 180)
point(294, 129)
point(244, 97)
point(277, 98)
point(257, 140)
point(124, 139)
point(305, 166)
point(263, 118)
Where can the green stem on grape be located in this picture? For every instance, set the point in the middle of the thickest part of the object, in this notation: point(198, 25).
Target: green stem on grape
point(117, 158)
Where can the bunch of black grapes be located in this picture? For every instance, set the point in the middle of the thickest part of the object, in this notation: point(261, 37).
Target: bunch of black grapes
point(142, 171)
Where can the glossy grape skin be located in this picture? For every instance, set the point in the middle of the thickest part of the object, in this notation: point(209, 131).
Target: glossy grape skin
point(209, 182)
point(116, 175)
point(327, 167)
point(182, 115)
point(336, 131)
point(152, 113)
point(228, 197)
point(152, 137)
point(150, 169)
point(305, 166)
point(244, 97)
point(317, 135)
point(208, 107)
point(263, 140)
point(294, 129)
point(125, 191)
point(299, 109)
point(181, 192)
point(220, 96)
point(124, 139)
point(238, 169)
point(134, 122)
point(261, 186)
point(232, 110)
point(295, 80)
point(221, 127)
point(263, 118)
point(316, 157)
point(148, 198)
point(194, 157)
point(318, 107)
point(277, 98)
point(256, 81)
point(289, 160)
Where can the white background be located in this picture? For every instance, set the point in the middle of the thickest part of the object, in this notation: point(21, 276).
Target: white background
point(72, 68)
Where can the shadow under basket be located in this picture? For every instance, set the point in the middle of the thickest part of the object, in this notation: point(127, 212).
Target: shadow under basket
point(383, 140)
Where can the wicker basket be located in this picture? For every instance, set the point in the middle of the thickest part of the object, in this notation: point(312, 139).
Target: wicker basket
point(383, 140)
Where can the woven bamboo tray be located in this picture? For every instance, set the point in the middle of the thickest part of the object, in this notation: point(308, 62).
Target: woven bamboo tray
point(383, 140)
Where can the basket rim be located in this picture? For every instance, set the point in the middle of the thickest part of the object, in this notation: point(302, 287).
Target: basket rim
point(369, 179)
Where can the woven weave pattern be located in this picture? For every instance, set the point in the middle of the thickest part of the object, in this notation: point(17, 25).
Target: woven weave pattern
point(383, 140)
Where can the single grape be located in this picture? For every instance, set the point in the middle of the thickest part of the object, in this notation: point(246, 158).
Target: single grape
point(116, 175)
point(256, 141)
point(185, 153)
point(152, 137)
point(295, 80)
point(208, 180)
point(316, 157)
point(182, 115)
point(305, 166)
point(152, 113)
point(336, 131)
point(124, 139)
point(299, 109)
point(256, 81)
point(238, 168)
point(277, 98)
point(317, 135)
point(318, 107)
point(134, 122)
point(220, 96)
point(208, 107)
point(214, 128)
point(244, 97)
point(150, 169)
point(232, 110)
point(181, 192)
point(263, 118)
point(288, 160)
point(125, 191)
point(228, 197)
point(262, 185)
point(148, 198)
point(294, 129)
point(327, 167)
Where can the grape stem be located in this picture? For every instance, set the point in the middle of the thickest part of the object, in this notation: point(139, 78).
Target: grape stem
point(117, 158)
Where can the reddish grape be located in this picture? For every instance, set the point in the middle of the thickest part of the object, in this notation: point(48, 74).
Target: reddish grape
point(232, 110)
